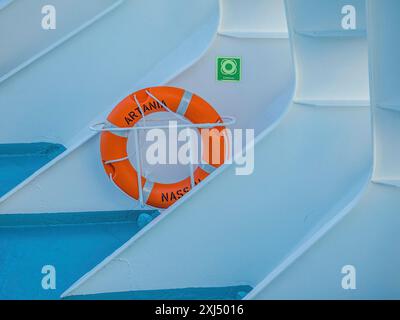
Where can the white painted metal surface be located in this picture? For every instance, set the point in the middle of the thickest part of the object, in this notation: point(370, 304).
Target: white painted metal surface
point(29, 41)
point(299, 190)
point(88, 98)
point(313, 155)
point(365, 234)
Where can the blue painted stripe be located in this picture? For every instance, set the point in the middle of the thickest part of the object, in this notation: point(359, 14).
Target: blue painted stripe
point(71, 218)
point(71, 242)
point(20, 160)
point(217, 293)
point(26, 149)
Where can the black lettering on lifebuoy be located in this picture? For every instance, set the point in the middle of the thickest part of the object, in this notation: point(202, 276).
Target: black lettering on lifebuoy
point(152, 105)
point(128, 120)
point(172, 196)
point(161, 106)
point(164, 197)
point(131, 116)
point(175, 195)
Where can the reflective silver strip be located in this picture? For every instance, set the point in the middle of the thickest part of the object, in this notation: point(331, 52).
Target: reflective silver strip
point(207, 167)
point(147, 188)
point(184, 104)
point(109, 125)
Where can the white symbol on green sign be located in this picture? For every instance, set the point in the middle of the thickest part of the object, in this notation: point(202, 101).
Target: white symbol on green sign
point(229, 68)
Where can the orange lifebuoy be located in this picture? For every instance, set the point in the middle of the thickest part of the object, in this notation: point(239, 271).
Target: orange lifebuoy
point(127, 113)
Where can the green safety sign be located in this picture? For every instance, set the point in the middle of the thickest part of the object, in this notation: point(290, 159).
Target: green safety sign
point(229, 68)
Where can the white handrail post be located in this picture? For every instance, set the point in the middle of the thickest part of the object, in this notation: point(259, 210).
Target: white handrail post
point(139, 167)
point(138, 154)
point(191, 165)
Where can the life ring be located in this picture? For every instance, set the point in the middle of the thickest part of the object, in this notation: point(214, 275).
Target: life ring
point(113, 144)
